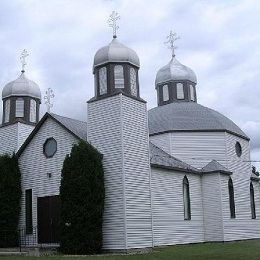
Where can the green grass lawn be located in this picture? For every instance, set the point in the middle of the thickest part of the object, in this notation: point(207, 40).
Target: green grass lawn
point(244, 250)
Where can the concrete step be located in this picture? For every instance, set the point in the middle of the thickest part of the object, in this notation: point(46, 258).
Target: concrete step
point(11, 249)
point(10, 253)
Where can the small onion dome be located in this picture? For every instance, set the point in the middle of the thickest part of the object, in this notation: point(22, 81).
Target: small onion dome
point(116, 52)
point(21, 87)
point(175, 71)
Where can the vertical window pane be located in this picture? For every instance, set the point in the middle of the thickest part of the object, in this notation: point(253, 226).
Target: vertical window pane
point(165, 93)
point(19, 107)
point(180, 91)
point(28, 211)
point(192, 94)
point(119, 76)
point(252, 201)
point(103, 80)
point(231, 199)
point(32, 110)
point(186, 199)
point(133, 84)
point(7, 110)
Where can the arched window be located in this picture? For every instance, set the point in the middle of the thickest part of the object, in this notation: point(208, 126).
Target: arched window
point(186, 199)
point(32, 110)
point(19, 111)
point(165, 93)
point(133, 84)
point(231, 199)
point(119, 76)
point(102, 73)
point(180, 91)
point(252, 200)
point(192, 94)
point(7, 110)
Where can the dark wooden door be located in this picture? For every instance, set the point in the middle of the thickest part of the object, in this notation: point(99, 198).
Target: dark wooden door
point(48, 219)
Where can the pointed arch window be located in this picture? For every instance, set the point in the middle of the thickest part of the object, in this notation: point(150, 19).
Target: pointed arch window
point(119, 76)
point(7, 110)
point(102, 73)
point(133, 84)
point(32, 110)
point(165, 93)
point(192, 93)
point(252, 200)
point(186, 198)
point(19, 108)
point(231, 199)
point(180, 91)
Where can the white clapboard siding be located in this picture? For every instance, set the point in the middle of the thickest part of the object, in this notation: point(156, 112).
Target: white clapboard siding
point(24, 131)
point(212, 205)
point(136, 173)
point(35, 166)
point(194, 148)
point(242, 227)
point(169, 226)
point(104, 132)
point(117, 127)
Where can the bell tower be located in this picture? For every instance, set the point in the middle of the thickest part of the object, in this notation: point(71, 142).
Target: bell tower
point(118, 128)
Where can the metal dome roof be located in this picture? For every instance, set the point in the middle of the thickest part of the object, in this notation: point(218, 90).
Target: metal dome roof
point(190, 116)
point(21, 87)
point(116, 52)
point(174, 70)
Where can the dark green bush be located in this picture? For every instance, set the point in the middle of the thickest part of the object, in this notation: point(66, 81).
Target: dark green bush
point(82, 196)
point(10, 195)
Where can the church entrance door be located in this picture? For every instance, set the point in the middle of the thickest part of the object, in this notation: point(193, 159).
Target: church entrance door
point(48, 209)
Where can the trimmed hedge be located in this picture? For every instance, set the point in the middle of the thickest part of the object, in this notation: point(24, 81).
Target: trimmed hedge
point(82, 197)
point(10, 195)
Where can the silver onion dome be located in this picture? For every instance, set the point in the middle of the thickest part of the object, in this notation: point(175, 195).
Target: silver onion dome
point(21, 87)
point(116, 52)
point(175, 71)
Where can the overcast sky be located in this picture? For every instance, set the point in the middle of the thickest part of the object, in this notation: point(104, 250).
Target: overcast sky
point(220, 41)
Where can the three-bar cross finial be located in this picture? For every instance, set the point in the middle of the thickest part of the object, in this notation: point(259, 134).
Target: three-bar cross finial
point(112, 22)
point(49, 95)
point(23, 56)
point(171, 38)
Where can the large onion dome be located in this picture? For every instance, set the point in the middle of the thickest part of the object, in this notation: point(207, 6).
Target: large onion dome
point(22, 86)
point(175, 71)
point(116, 52)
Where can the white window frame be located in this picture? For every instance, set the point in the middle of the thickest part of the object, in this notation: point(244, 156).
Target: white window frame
point(192, 93)
point(133, 83)
point(7, 110)
point(102, 74)
point(165, 90)
point(119, 76)
point(19, 107)
point(33, 107)
point(180, 91)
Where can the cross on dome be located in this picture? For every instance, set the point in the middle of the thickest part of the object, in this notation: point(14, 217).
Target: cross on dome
point(171, 38)
point(112, 22)
point(23, 56)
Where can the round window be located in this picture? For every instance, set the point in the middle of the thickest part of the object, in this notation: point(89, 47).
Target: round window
point(238, 149)
point(50, 147)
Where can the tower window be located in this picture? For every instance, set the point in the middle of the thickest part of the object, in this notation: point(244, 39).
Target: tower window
point(19, 108)
point(133, 84)
point(231, 199)
point(180, 91)
point(192, 94)
point(252, 200)
point(186, 198)
point(32, 110)
point(7, 110)
point(165, 93)
point(102, 80)
point(119, 76)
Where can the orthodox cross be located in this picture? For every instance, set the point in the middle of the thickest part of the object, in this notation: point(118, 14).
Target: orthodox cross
point(112, 22)
point(48, 97)
point(23, 56)
point(171, 38)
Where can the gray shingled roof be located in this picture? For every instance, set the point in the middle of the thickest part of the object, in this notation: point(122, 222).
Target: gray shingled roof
point(189, 116)
point(79, 128)
point(215, 166)
point(161, 158)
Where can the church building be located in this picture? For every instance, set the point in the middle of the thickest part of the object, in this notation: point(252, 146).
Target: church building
point(178, 173)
